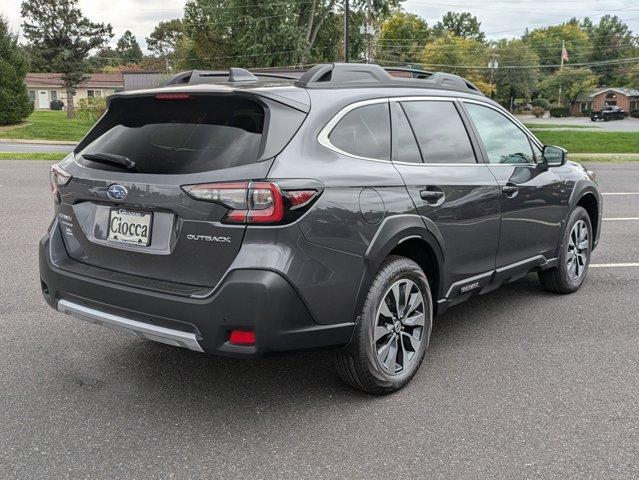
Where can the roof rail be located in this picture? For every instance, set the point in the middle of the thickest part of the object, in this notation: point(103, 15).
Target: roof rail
point(344, 75)
point(234, 75)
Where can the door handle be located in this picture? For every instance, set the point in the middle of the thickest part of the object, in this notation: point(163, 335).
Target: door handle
point(510, 190)
point(431, 194)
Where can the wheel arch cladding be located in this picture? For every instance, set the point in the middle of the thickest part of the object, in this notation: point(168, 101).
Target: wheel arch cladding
point(588, 201)
point(405, 235)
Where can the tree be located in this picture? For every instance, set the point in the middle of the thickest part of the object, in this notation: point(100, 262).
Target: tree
point(572, 81)
point(401, 38)
point(128, 49)
point(516, 76)
point(611, 39)
point(461, 56)
point(60, 39)
point(14, 100)
point(166, 39)
point(546, 43)
point(254, 33)
point(464, 25)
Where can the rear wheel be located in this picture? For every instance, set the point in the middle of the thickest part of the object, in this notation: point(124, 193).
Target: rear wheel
point(391, 338)
point(574, 256)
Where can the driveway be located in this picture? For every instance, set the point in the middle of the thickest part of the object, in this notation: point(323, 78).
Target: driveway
point(518, 383)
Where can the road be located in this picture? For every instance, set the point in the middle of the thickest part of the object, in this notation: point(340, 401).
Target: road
point(626, 125)
point(34, 147)
point(518, 383)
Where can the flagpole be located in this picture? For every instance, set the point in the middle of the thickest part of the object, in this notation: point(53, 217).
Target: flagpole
point(561, 65)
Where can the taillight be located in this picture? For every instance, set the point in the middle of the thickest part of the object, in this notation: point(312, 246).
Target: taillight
point(58, 178)
point(254, 202)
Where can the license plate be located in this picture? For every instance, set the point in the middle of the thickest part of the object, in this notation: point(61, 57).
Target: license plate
point(130, 227)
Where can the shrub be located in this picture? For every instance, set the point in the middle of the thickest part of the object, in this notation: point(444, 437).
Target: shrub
point(91, 109)
point(558, 112)
point(538, 112)
point(634, 114)
point(541, 102)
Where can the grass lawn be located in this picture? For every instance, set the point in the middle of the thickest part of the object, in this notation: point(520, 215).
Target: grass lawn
point(555, 125)
point(48, 125)
point(51, 157)
point(591, 142)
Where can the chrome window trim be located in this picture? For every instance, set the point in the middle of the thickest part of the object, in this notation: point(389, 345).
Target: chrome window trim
point(509, 116)
point(323, 139)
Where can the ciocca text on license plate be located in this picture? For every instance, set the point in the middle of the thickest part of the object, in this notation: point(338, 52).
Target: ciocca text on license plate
point(130, 227)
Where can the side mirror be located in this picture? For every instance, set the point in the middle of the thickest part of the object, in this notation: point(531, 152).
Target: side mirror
point(554, 156)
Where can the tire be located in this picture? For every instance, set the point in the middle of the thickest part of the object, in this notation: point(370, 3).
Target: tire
point(562, 278)
point(367, 364)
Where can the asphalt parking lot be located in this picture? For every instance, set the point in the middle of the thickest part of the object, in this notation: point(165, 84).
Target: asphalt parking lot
point(518, 383)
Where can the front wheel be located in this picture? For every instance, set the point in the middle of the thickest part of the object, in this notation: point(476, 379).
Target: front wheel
point(390, 340)
point(574, 256)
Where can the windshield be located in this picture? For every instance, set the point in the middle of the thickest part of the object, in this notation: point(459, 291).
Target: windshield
point(179, 136)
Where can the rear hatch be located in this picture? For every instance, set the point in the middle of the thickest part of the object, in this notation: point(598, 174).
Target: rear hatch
point(125, 208)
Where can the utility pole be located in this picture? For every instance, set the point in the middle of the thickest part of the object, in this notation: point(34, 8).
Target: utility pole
point(346, 28)
point(369, 29)
point(561, 65)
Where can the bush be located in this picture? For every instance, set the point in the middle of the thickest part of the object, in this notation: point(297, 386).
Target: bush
point(538, 112)
point(541, 102)
point(634, 114)
point(91, 109)
point(558, 112)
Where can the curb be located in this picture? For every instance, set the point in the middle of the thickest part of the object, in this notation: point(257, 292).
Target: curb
point(37, 142)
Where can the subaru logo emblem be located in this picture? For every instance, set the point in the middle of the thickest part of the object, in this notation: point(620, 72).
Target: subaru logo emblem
point(116, 192)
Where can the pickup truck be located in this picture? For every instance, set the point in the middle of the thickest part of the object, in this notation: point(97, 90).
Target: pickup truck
point(608, 113)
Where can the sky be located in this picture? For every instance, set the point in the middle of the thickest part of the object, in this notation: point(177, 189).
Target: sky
point(499, 18)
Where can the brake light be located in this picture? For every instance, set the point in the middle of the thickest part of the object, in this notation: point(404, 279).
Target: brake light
point(172, 96)
point(58, 177)
point(252, 202)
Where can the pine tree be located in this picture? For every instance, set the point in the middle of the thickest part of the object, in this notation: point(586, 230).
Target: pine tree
point(60, 39)
point(14, 99)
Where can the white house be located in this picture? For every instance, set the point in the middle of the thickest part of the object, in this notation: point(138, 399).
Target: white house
point(45, 87)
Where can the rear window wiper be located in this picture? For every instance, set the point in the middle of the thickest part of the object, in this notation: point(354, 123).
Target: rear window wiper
point(110, 159)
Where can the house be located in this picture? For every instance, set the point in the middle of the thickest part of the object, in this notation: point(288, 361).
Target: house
point(45, 87)
point(626, 98)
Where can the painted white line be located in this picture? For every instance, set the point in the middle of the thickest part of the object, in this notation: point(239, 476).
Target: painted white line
point(620, 219)
point(621, 193)
point(613, 265)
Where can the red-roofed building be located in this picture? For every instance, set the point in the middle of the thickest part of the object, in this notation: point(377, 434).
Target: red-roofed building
point(45, 87)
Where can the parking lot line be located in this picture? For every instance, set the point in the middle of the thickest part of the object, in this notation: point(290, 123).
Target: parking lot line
point(620, 193)
point(613, 265)
point(620, 219)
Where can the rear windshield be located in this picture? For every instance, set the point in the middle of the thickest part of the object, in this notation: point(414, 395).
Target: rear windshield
point(179, 136)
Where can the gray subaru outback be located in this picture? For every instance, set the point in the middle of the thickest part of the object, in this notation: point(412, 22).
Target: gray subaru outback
point(243, 214)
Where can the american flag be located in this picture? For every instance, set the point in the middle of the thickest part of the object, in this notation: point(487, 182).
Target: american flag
point(564, 54)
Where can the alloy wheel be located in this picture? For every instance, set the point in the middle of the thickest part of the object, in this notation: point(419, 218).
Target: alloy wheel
point(578, 245)
point(399, 326)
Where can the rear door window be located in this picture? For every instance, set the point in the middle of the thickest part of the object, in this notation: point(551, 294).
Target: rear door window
point(180, 136)
point(364, 132)
point(440, 132)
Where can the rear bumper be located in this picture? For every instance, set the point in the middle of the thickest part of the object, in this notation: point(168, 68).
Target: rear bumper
point(248, 299)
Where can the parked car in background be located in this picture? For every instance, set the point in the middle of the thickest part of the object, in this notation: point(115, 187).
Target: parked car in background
point(343, 209)
point(608, 113)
